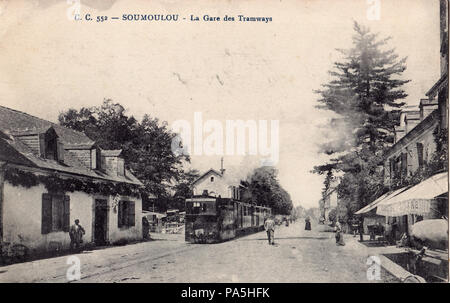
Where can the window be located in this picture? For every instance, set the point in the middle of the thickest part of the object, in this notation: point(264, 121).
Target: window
point(420, 154)
point(96, 160)
point(55, 213)
point(404, 165)
point(51, 149)
point(120, 167)
point(212, 179)
point(126, 214)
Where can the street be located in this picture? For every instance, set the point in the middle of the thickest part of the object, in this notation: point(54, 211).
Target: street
point(297, 256)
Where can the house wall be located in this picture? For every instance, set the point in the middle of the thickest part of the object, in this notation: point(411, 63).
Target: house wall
point(131, 233)
point(429, 147)
point(84, 155)
point(22, 218)
point(110, 163)
point(219, 186)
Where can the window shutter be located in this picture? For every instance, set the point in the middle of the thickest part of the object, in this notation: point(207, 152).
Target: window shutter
point(420, 154)
point(99, 158)
point(131, 214)
point(60, 151)
point(392, 168)
point(93, 158)
point(42, 145)
point(120, 214)
point(46, 226)
point(66, 210)
point(404, 164)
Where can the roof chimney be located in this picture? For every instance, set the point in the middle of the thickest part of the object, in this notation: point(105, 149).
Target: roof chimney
point(222, 170)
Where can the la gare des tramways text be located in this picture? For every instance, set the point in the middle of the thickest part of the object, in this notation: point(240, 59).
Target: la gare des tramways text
point(176, 17)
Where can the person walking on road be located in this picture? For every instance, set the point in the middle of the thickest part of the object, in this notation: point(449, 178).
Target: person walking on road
point(361, 230)
point(308, 223)
point(269, 226)
point(339, 237)
point(76, 233)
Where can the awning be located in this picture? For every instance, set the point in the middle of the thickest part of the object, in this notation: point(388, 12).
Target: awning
point(417, 199)
point(375, 203)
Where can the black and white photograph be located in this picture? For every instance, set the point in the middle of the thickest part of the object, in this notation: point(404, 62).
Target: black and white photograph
point(235, 142)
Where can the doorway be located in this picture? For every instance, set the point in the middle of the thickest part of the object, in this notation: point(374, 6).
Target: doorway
point(100, 222)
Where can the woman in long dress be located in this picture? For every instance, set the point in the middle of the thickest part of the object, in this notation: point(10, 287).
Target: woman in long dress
point(307, 223)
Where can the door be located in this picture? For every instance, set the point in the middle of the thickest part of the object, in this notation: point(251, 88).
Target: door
point(100, 222)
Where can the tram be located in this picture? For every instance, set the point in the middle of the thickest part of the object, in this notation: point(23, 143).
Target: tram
point(212, 219)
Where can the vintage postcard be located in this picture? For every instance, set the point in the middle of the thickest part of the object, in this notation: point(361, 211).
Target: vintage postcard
point(239, 141)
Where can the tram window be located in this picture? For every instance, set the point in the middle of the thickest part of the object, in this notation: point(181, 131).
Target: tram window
point(204, 208)
point(196, 204)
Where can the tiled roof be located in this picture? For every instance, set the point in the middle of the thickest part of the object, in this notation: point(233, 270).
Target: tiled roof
point(206, 174)
point(9, 154)
point(15, 121)
point(13, 150)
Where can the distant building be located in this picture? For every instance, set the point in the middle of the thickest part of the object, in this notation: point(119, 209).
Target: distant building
point(215, 183)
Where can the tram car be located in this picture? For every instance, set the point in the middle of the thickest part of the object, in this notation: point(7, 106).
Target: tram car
point(214, 219)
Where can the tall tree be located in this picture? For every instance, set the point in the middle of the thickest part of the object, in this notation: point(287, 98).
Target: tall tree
point(146, 144)
point(365, 92)
point(264, 189)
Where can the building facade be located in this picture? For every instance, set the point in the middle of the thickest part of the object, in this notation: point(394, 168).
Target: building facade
point(416, 140)
point(50, 176)
point(214, 183)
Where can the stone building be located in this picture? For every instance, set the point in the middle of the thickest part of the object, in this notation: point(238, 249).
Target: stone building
point(51, 175)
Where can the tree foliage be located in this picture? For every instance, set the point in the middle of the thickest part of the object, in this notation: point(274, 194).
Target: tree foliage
point(264, 189)
point(146, 144)
point(365, 92)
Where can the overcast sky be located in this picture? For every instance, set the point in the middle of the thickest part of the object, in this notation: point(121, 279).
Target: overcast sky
point(225, 70)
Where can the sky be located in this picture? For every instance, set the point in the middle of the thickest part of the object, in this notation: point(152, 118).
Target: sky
point(223, 70)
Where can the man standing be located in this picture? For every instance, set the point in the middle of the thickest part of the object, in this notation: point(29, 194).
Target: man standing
point(269, 226)
point(76, 233)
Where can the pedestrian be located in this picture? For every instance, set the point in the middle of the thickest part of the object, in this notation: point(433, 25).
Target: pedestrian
point(339, 237)
point(308, 223)
point(145, 228)
point(361, 230)
point(269, 226)
point(355, 226)
point(76, 233)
